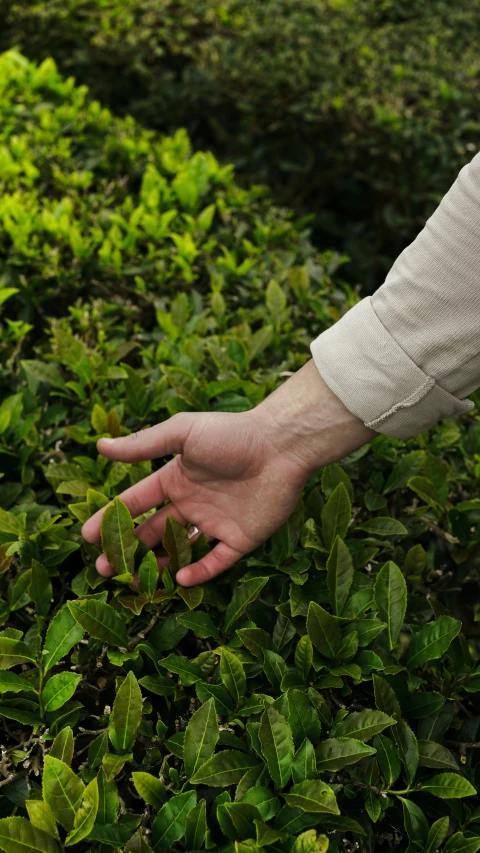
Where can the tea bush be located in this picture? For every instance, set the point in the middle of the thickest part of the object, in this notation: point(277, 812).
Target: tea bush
point(321, 695)
point(360, 110)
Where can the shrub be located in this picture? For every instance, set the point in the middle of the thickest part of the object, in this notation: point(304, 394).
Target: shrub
point(321, 694)
point(361, 111)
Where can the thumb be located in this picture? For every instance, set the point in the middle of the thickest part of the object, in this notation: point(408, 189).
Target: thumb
point(157, 441)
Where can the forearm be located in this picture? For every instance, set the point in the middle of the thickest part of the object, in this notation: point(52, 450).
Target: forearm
point(408, 356)
point(305, 420)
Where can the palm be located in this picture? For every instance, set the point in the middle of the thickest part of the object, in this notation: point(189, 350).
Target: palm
point(226, 481)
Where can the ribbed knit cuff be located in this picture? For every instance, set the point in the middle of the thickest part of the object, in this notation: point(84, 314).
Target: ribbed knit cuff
point(376, 380)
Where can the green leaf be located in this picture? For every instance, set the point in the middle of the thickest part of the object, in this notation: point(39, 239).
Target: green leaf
point(13, 652)
point(150, 789)
point(201, 737)
point(313, 796)
point(432, 754)
point(385, 697)
point(188, 671)
point(148, 573)
point(126, 714)
point(201, 624)
point(432, 641)
point(196, 826)
point(263, 799)
point(63, 633)
point(59, 689)
point(310, 842)
point(304, 765)
point(339, 575)
point(118, 537)
point(459, 843)
point(62, 790)
point(169, 824)
point(334, 474)
point(449, 786)
point(177, 545)
point(245, 594)
point(40, 588)
point(232, 674)
point(224, 769)
point(388, 760)
point(383, 526)
point(302, 717)
point(336, 516)
point(323, 630)
point(407, 748)
point(12, 683)
point(390, 592)
point(62, 746)
point(276, 301)
point(304, 656)
point(41, 816)
point(338, 752)
point(363, 725)
point(18, 835)
point(85, 815)
point(41, 371)
point(437, 835)
point(108, 799)
point(277, 745)
point(416, 824)
point(18, 591)
point(100, 620)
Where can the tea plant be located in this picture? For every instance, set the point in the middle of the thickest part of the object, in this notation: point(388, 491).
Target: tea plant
point(322, 694)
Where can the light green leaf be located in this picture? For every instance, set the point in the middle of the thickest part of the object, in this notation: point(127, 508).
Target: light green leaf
point(169, 824)
point(150, 789)
point(459, 843)
point(390, 592)
point(310, 842)
point(18, 835)
point(42, 371)
point(232, 674)
point(62, 790)
point(224, 769)
point(304, 656)
point(276, 301)
point(336, 516)
point(85, 815)
point(63, 633)
point(62, 746)
point(201, 624)
point(201, 737)
point(12, 683)
point(313, 796)
point(13, 652)
point(278, 749)
point(148, 574)
point(337, 752)
point(449, 786)
point(437, 835)
point(244, 594)
point(118, 537)
point(108, 799)
point(304, 765)
point(59, 689)
point(432, 641)
point(41, 816)
point(126, 714)
point(100, 620)
point(339, 575)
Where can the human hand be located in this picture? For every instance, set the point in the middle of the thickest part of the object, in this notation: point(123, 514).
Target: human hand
point(236, 477)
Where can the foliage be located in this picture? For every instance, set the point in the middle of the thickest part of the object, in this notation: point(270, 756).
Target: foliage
point(321, 695)
point(360, 110)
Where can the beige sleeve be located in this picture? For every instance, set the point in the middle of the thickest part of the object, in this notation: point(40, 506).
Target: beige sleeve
point(406, 357)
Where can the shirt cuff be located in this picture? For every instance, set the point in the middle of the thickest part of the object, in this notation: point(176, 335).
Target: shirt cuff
point(376, 380)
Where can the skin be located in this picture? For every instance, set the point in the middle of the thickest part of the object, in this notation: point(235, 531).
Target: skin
point(236, 477)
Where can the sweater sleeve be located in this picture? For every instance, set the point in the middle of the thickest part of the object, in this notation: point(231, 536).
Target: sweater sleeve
point(406, 357)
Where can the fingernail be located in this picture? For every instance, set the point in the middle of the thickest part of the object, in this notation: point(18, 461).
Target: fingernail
point(108, 440)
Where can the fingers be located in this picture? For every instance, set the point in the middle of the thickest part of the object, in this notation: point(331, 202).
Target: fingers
point(152, 529)
point(138, 498)
point(152, 443)
point(216, 561)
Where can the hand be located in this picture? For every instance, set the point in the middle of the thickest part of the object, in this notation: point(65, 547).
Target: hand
point(236, 477)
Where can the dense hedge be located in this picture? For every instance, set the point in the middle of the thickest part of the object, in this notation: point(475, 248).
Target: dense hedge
point(321, 695)
point(361, 111)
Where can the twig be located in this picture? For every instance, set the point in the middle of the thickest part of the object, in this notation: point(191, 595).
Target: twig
point(12, 778)
point(442, 534)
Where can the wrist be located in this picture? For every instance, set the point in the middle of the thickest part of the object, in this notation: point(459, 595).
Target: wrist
point(306, 421)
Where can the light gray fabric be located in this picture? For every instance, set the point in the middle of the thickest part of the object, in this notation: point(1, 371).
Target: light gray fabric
point(406, 357)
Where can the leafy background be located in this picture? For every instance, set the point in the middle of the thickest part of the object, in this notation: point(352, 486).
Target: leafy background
point(322, 694)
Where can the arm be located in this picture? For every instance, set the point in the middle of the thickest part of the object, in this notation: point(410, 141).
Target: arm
point(237, 477)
